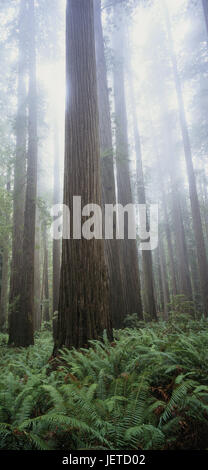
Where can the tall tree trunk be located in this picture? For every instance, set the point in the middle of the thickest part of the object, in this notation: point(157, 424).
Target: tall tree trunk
point(4, 279)
point(45, 287)
point(149, 293)
point(19, 174)
point(184, 280)
point(23, 335)
point(84, 299)
point(196, 216)
point(170, 244)
point(160, 296)
point(4, 286)
point(37, 283)
point(112, 252)
point(56, 243)
point(129, 252)
point(166, 294)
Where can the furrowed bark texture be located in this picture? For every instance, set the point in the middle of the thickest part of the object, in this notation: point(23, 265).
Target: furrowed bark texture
point(84, 297)
point(112, 251)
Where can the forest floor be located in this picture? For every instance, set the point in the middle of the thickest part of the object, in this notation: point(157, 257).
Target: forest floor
point(146, 390)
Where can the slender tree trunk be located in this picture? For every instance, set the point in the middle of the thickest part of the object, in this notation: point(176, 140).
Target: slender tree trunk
point(23, 335)
point(56, 243)
point(4, 287)
point(84, 299)
point(37, 283)
point(184, 280)
point(149, 293)
point(19, 174)
point(160, 296)
point(170, 246)
point(129, 252)
point(196, 216)
point(45, 289)
point(166, 294)
point(112, 252)
point(4, 279)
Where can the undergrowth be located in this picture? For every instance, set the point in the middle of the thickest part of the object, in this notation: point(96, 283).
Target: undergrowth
point(146, 390)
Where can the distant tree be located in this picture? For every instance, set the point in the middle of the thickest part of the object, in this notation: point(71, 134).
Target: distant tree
point(37, 275)
point(195, 207)
point(129, 252)
point(22, 327)
point(56, 200)
point(45, 281)
point(149, 294)
point(19, 171)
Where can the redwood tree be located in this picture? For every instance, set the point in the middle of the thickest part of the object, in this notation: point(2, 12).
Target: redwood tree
point(84, 296)
point(21, 329)
point(195, 207)
point(19, 172)
point(56, 243)
point(129, 252)
point(112, 250)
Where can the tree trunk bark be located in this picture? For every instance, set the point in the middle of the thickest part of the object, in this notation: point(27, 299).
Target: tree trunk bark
point(196, 216)
point(129, 252)
point(166, 294)
point(23, 335)
point(160, 296)
point(45, 287)
point(4, 287)
point(37, 283)
point(112, 252)
point(146, 255)
point(84, 299)
point(56, 243)
point(19, 174)
point(170, 246)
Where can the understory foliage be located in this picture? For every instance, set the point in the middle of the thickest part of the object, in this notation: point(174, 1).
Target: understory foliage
point(146, 390)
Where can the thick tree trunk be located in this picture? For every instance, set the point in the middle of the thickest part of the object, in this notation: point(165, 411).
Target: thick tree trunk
point(129, 252)
point(84, 299)
point(19, 174)
point(23, 334)
point(196, 216)
point(112, 252)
